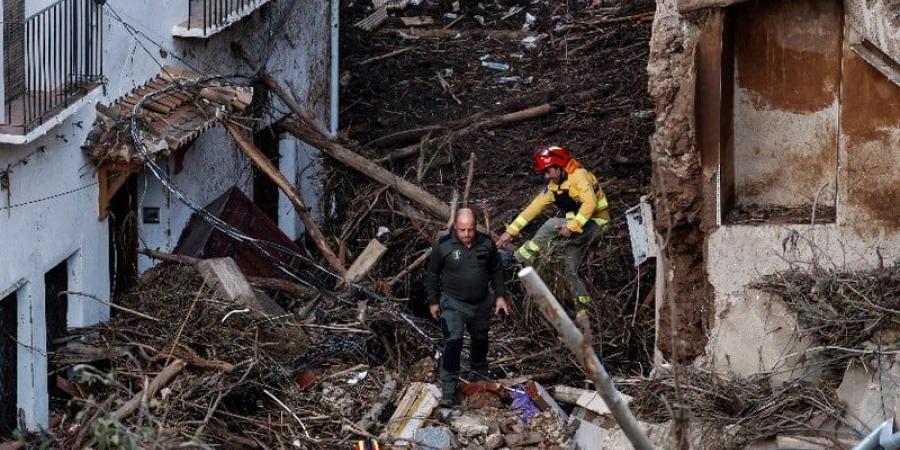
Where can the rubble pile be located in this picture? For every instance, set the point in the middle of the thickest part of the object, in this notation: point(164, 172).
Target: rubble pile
point(453, 104)
point(843, 309)
point(586, 66)
point(197, 368)
point(734, 412)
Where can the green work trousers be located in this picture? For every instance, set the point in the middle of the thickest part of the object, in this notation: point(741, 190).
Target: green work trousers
point(548, 242)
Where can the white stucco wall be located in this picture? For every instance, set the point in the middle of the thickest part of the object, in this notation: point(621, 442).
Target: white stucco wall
point(35, 237)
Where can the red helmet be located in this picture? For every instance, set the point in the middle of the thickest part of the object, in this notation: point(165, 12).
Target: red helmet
point(545, 157)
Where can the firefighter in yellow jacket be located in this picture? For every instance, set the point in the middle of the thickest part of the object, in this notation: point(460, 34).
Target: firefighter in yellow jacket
point(577, 194)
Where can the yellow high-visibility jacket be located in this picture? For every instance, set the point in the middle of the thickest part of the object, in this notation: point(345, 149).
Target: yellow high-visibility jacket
point(579, 197)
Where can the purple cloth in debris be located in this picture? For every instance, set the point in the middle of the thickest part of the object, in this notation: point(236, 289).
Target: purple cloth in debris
point(522, 403)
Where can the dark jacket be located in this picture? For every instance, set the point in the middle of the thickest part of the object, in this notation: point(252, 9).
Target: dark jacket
point(464, 273)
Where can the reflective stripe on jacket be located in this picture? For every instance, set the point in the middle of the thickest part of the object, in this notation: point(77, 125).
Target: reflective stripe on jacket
point(583, 188)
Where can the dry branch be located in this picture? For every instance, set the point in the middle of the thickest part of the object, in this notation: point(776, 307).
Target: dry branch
point(279, 179)
point(162, 379)
point(483, 124)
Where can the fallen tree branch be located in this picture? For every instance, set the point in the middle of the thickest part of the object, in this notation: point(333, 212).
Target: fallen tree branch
point(484, 124)
point(158, 382)
point(111, 305)
point(392, 54)
point(470, 176)
point(308, 134)
point(413, 266)
point(369, 418)
point(574, 339)
point(279, 179)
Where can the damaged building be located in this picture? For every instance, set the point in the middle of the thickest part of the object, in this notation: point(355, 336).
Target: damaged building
point(777, 147)
point(75, 199)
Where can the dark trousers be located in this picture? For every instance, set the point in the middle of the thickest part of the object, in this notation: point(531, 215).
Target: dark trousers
point(456, 317)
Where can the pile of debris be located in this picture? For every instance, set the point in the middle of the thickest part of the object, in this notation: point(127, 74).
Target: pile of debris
point(200, 354)
point(428, 100)
point(203, 360)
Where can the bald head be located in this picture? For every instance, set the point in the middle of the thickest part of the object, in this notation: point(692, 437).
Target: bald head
point(464, 226)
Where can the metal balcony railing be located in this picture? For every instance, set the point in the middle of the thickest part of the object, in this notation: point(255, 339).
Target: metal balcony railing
point(212, 14)
point(52, 59)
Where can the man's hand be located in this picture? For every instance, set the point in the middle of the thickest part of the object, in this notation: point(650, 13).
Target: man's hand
point(501, 305)
point(564, 231)
point(504, 240)
point(435, 311)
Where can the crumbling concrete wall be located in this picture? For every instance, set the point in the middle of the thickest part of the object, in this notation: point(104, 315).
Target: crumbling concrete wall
point(677, 186)
point(706, 267)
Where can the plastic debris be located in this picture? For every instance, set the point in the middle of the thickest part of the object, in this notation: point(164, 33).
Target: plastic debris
point(522, 403)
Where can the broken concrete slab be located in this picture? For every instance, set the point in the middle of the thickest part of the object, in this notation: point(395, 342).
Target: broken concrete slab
point(436, 438)
point(584, 398)
point(567, 394)
point(225, 277)
point(544, 400)
point(755, 333)
point(870, 393)
point(415, 406)
point(657, 433)
point(592, 401)
point(588, 435)
point(469, 426)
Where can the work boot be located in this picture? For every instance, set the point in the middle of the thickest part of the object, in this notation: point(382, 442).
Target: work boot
point(448, 394)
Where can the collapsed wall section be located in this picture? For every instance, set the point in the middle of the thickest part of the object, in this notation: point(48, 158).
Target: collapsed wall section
point(677, 187)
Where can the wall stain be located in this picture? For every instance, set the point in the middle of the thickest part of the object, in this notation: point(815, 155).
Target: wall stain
point(870, 124)
point(788, 53)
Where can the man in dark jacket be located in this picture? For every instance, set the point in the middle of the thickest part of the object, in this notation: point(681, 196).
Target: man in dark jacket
point(462, 266)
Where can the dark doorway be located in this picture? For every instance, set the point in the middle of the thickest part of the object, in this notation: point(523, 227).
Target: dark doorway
point(123, 238)
point(265, 191)
point(8, 362)
point(56, 308)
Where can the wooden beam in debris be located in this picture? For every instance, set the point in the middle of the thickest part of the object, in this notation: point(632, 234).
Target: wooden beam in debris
point(111, 178)
point(275, 284)
point(483, 124)
point(366, 261)
point(582, 349)
point(693, 5)
point(279, 179)
point(430, 203)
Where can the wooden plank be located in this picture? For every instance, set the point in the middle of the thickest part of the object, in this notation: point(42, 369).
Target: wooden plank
point(693, 5)
point(366, 261)
point(878, 59)
point(417, 21)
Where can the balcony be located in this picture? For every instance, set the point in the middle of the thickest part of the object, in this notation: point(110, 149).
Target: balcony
point(208, 17)
point(53, 65)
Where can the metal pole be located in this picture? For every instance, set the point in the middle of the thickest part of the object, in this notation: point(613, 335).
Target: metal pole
point(556, 315)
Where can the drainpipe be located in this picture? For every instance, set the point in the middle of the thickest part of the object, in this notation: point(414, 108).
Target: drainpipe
point(882, 437)
point(335, 64)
